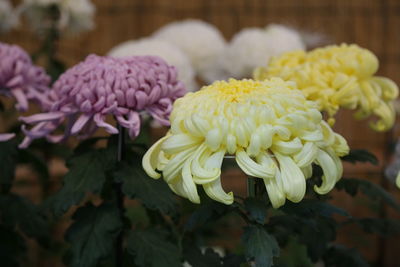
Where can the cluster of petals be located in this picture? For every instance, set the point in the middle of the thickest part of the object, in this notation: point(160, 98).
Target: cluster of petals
point(20, 79)
point(274, 133)
point(105, 86)
point(202, 42)
point(253, 47)
point(74, 15)
point(339, 76)
point(167, 51)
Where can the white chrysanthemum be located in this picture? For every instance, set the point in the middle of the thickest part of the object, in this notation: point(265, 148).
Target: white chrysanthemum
point(284, 39)
point(253, 47)
point(273, 131)
point(75, 15)
point(8, 17)
point(169, 52)
point(201, 41)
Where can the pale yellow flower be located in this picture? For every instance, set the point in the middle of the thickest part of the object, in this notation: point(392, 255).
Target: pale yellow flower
point(338, 76)
point(274, 133)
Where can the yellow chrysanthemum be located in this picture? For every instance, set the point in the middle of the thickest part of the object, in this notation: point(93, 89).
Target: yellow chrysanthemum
point(273, 131)
point(338, 76)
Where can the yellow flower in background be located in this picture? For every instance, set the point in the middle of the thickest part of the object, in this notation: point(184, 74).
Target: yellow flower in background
point(338, 76)
point(272, 130)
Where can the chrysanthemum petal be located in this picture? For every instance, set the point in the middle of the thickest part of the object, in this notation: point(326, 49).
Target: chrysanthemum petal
point(149, 161)
point(179, 142)
point(330, 172)
point(293, 180)
point(250, 167)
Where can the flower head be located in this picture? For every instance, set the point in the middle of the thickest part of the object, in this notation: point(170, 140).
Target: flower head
point(201, 41)
point(252, 47)
point(167, 51)
point(21, 79)
point(100, 86)
point(74, 15)
point(338, 76)
point(273, 131)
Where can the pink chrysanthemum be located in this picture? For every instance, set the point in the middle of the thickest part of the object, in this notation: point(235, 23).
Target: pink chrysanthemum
point(101, 86)
point(20, 79)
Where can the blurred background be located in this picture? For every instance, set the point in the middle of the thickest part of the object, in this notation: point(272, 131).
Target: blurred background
point(372, 24)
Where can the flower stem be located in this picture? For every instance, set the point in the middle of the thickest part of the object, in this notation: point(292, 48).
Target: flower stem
point(119, 250)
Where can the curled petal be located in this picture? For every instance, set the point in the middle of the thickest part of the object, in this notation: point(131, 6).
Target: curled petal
point(80, 123)
point(252, 168)
point(175, 165)
point(150, 159)
point(42, 117)
point(202, 163)
point(189, 187)
point(307, 155)
point(275, 190)
point(6, 137)
point(100, 122)
point(330, 172)
point(293, 180)
point(179, 142)
point(289, 147)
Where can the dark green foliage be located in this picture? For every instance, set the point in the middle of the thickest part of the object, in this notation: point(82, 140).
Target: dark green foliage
point(8, 160)
point(260, 246)
point(154, 194)
point(196, 258)
point(257, 209)
point(17, 212)
point(93, 233)
point(208, 211)
point(151, 248)
point(338, 255)
point(87, 174)
point(360, 155)
point(12, 247)
point(311, 208)
point(352, 186)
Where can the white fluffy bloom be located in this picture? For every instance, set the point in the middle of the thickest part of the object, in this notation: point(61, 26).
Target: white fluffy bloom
point(8, 17)
point(75, 15)
point(169, 52)
point(253, 47)
point(201, 41)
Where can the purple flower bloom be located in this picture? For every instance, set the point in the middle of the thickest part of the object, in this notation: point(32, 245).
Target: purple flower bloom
point(100, 86)
point(21, 79)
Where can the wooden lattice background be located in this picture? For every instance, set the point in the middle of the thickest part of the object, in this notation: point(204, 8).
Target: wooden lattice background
point(373, 24)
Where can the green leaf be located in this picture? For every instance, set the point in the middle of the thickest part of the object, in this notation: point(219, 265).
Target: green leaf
point(352, 186)
point(154, 194)
point(360, 155)
point(8, 159)
point(12, 247)
point(311, 208)
point(260, 246)
point(152, 249)
point(338, 255)
point(87, 174)
point(17, 212)
point(205, 212)
point(257, 209)
point(196, 258)
point(93, 234)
